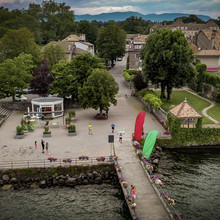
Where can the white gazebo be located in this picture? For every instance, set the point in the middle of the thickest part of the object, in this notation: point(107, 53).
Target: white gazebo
point(48, 106)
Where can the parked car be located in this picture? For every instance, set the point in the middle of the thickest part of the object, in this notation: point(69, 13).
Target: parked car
point(119, 59)
point(27, 91)
point(20, 97)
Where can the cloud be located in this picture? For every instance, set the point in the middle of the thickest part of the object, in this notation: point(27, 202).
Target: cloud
point(107, 9)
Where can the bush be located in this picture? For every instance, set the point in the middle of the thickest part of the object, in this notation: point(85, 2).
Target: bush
point(153, 101)
point(46, 130)
point(68, 120)
point(72, 128)
point(146, 91)
point(31, 127)
point(19, 130)
point(139, 82)
point(72, 114)
point(24, 127)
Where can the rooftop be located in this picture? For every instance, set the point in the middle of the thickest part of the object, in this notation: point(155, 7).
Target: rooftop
point(185, 110)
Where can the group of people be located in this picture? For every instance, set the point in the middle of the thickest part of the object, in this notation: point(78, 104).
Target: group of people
point(44, 147)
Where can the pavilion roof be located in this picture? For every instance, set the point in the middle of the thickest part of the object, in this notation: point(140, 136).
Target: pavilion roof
point(185, 110)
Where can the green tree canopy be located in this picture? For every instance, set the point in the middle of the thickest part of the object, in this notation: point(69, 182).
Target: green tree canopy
point(53, 54)
point(15, 74)
point(18, 41)
point(57, 19)
point(167, 60)
point(68, 76)
point(99, 91)
point(111, 43)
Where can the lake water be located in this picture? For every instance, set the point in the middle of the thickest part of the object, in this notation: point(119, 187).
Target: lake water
point(82, 202)
point(195, 185)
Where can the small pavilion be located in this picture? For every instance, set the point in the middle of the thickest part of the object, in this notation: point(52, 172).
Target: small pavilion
point(48, 106)
point(187, 114)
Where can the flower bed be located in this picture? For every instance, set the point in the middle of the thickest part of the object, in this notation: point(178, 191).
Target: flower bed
point(83, 158)
point(100, 158)
point(67, 160)
point(52, 159)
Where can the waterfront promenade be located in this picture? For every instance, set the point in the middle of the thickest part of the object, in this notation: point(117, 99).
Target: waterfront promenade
point(123, 115)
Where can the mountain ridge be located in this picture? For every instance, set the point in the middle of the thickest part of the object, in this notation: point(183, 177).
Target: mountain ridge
point(121, 16)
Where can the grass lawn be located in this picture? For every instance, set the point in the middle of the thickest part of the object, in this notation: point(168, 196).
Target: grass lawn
point(179, 96)
point(214, 112)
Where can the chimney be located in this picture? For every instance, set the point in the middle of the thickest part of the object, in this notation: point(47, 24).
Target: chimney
point(213, 40)
point(82, 37)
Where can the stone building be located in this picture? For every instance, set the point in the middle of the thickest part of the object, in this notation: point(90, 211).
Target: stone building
point(134, 47)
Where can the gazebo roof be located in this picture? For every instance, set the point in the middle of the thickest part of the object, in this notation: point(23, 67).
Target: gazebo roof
point(185, 110)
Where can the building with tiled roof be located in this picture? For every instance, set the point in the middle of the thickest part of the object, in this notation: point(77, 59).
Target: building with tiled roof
point(81, 43)
point(133, 50)
point(186, 113)
point(69, 48)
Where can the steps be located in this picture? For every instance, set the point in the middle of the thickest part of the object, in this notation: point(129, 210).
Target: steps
point(4, 114)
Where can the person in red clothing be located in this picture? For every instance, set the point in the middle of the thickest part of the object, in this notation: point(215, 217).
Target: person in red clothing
point(133, 192)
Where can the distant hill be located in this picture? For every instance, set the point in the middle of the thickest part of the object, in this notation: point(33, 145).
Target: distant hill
point(121, 16)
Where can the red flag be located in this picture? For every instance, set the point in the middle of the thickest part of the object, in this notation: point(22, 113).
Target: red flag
point(139, 126)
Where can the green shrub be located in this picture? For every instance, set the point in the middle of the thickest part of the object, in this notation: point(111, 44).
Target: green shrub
point(19, 130)
point(72, 128)
point(68, 120)
point(153, 101)
point(146, 91)
point(46, 130)
point(31, 127)
point(72, 114)
point(24, 127)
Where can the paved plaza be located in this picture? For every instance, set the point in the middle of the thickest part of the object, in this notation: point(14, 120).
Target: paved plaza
point(61, 145)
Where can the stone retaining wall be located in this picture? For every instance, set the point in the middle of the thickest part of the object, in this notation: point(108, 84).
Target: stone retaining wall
point(60, 176)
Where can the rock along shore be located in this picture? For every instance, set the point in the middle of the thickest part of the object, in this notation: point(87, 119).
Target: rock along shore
point(59, 176)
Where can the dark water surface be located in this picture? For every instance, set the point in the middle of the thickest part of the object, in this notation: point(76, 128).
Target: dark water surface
point(82, 202)
point(195, 185)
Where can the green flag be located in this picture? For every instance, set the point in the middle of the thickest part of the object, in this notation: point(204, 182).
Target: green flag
point(149, 143)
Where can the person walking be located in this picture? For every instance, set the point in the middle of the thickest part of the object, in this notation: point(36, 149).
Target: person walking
point(35, 144)
point(47, 147)
point(133, 192)
point(42, 144)
point(90, 129)
point(120, 137)
point(113, 127)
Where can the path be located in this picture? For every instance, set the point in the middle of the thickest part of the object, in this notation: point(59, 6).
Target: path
point(204, 111)
point(148, 203)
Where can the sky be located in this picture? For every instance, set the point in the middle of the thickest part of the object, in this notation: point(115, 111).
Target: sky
point(202, 7)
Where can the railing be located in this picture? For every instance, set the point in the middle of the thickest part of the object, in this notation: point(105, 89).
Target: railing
point(127, 192)
point(15, 164)
point(161, 193)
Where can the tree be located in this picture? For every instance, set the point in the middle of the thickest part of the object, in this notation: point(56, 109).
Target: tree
point(111, 43)
point(99, 91)
point(167, 60)
point(53, 54)
point(89, 29)
point(57, 19)
point(69, 76)
point(18, 41)
point(15, 74)
point(42, 79)
point(139, 83)
point(200, 78)
point(134, 25)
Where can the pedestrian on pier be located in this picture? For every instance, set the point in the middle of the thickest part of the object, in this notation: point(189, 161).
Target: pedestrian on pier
point(35, 144)
point(47, 147)
point(42, 144)
point(133, 192)
point(113, 127)
point(90, 129)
